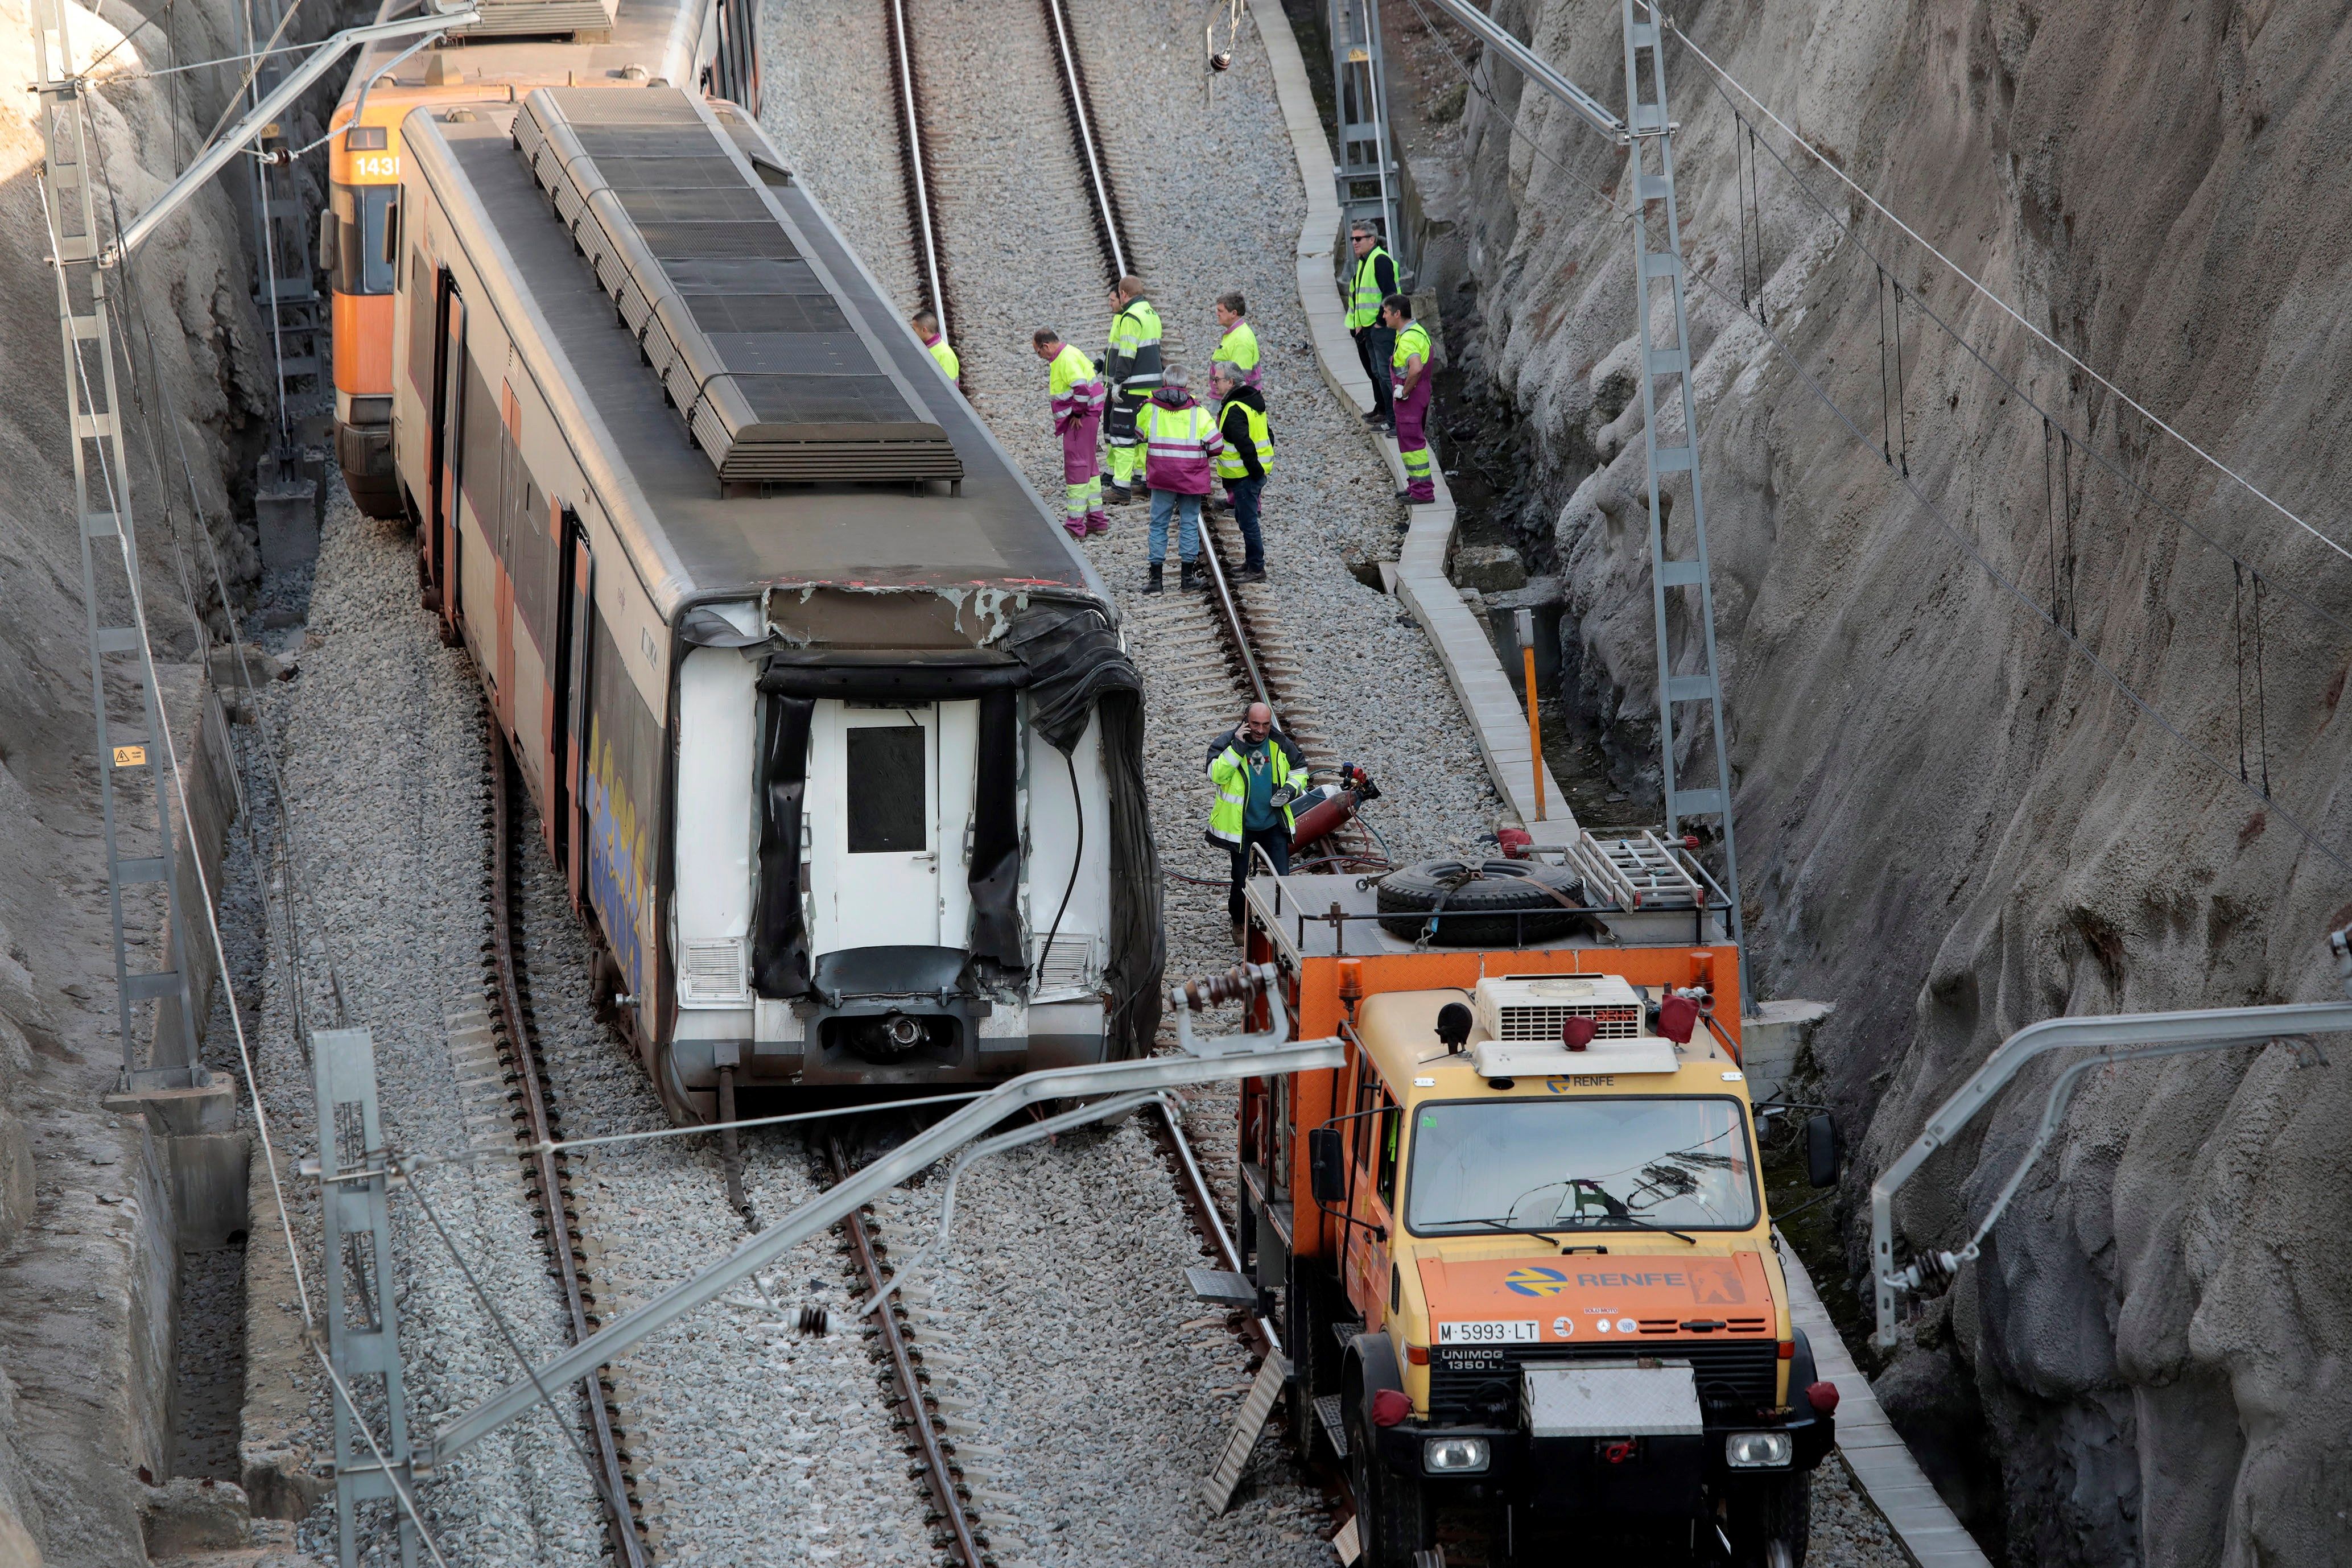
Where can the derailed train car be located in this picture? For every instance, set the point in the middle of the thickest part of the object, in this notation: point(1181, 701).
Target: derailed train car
point(831, 728)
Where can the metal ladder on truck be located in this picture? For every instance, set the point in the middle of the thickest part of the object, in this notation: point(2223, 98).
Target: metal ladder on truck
point(136, 750)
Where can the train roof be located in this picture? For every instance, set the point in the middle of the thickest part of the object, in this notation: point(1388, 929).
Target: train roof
point(691, 536)
point(518, 47)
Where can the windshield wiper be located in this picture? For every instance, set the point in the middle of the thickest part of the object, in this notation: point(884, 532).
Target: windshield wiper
point(1627, 1221)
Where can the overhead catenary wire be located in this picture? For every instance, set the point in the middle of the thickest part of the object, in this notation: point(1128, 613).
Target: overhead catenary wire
point(1960, 537)
point(1669, 25)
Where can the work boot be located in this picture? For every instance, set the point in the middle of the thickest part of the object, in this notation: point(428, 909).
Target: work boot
point(1251, 573)
point(1191, 577)
point(1155, 585)
point(1117, 495)
point(1076, 529)
point(1097, 524)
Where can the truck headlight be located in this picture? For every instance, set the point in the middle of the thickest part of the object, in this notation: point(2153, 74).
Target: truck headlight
point(1454, 1456)
point(1757, 1450)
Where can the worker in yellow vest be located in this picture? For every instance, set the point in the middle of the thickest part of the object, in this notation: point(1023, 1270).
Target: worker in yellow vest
point(927, 327)
point(1131, 371)
point(1243, 464)
point(1408, 394)
point(1238, 347)
point(1375, 280)
point(1077, 398)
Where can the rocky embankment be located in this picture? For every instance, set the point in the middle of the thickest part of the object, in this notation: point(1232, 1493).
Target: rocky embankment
point(1952, 822)
point(86, 1249)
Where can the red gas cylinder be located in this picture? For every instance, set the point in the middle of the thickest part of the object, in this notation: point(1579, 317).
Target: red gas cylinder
point(1320, 811)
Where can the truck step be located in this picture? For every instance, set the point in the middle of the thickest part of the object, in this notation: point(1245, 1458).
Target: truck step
point(1221, 1287)
point(1335, 1424)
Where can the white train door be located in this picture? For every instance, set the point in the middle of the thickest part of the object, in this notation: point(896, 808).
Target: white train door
point(889, 798)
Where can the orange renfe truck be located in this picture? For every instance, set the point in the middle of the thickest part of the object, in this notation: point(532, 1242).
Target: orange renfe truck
point(1520, 1240)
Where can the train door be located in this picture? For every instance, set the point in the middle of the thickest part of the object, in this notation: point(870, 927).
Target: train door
point(891, 795)
point(574, 602)
point(448, 431)
point(505, 558)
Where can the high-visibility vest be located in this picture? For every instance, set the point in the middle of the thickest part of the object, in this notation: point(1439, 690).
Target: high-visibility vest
point(947, 358)
point(1238, 349)
point(1070, 381)
point(1135, 348)
point(1177, 444)
point(1412, 339)
point(1230, 773)
point(1364, 308)
point(1261, 435)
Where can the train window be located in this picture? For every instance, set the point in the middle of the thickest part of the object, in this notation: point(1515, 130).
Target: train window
point(888, 804)
point(367, 238)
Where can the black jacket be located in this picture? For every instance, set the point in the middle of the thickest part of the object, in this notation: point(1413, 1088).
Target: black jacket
point(1235, 429)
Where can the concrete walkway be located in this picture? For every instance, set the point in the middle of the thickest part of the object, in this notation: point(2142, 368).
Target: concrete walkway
point(1497, 720)
point(1881, 1464)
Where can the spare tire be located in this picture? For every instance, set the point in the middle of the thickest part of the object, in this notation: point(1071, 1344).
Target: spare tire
point(1486, 903)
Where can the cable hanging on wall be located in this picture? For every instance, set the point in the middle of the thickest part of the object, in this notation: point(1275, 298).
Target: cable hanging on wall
point(1886, 392)
point(1756, 206)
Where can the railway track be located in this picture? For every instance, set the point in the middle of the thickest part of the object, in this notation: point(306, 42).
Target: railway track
point(915, 163)
point(538, 1124)
point(930, 1456)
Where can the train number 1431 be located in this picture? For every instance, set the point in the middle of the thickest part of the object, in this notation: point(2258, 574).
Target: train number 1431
point(375, 166)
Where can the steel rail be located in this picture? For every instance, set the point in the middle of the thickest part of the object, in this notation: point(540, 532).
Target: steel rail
point(551, 1170)
point(1111, 227)
point(1201, 1207)
point(920, 195)
point(938, 1472)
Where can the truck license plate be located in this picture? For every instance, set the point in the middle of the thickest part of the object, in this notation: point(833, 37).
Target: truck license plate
point(1494, 1331)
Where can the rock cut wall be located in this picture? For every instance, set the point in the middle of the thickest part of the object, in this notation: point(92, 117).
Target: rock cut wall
point(1951, 822)
point(86, 1242)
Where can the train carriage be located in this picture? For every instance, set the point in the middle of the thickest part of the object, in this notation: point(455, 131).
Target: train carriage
point(515, 47)
point(831, 726)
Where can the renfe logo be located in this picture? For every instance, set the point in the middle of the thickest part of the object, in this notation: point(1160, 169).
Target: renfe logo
point(1631, 1281)
point(1536, 1281)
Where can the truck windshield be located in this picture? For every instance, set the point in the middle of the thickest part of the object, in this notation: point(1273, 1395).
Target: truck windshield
point(1580, 1164)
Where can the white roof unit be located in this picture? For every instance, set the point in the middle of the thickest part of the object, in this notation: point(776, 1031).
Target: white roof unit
point(1523, 1015)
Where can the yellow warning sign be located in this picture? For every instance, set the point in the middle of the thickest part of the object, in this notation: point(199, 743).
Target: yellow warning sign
point(130, 756)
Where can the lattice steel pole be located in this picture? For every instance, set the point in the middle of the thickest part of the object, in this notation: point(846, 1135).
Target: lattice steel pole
point(1665, 356)
point(103, 518)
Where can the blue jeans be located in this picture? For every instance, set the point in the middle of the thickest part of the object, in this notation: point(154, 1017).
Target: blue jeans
point(1244, 494)
point(1188, 533)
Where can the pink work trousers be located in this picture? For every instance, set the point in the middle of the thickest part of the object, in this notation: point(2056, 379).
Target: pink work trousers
point(1080, 452)
point(1413, 442)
